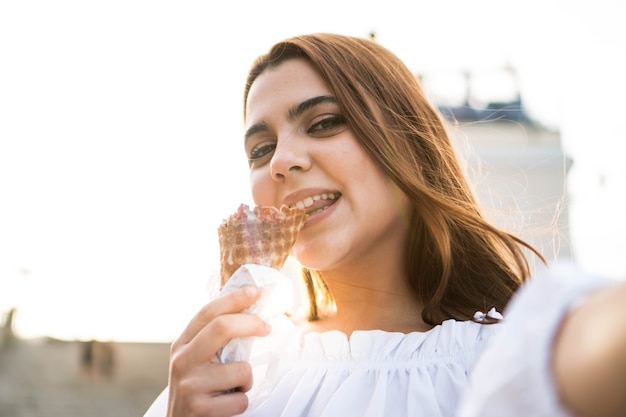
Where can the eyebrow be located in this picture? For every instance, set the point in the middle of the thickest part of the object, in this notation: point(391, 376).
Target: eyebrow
point(255, 128)
point(300, 108)
point(292, 114)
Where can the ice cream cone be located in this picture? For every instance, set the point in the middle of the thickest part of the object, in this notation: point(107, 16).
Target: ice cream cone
point(262, 236)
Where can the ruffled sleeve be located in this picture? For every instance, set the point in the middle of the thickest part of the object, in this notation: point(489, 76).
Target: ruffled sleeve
point(513, 375)
point(367, 374)
point(371, 373)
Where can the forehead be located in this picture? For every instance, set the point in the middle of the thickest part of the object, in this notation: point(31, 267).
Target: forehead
point(286, 84)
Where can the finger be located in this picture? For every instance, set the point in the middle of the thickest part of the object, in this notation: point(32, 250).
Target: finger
point(227, 377)
point(226, 405)
point(232, 302)
point(222, 330)
point(231, 404)
point(214, 336)
point(212, 389)
point(211, 378)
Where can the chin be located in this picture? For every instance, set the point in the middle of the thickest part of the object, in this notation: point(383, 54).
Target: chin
point(316, 254)
point(313, 263)
point(310, 262)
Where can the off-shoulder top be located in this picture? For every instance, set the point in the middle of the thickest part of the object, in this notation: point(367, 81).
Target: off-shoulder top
point(458, 368)
point(369, 374)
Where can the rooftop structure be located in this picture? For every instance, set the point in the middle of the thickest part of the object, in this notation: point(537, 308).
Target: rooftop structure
point(517, 166)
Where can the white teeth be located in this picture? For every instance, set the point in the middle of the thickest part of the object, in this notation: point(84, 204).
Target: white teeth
point(308, 202)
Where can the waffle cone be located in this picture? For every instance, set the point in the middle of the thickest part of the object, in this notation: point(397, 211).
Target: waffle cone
point(263, 236)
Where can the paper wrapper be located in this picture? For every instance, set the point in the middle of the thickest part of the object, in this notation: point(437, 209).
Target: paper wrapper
point(262, 236)
point(254, 245)
point(276, 298)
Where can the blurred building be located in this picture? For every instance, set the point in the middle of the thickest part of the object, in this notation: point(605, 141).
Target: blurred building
point(517, 166)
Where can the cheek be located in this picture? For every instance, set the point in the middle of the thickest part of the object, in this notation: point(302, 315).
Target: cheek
point(261, 188)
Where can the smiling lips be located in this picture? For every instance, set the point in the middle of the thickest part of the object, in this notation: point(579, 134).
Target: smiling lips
point(317, 203)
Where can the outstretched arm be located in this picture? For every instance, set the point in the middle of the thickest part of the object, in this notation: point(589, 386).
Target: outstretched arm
point(561, 351)
point(589, 356)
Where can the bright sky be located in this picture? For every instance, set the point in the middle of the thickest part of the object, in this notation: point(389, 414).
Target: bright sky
point(120, 135)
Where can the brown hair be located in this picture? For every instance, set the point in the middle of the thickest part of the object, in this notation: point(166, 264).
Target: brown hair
point(457, 263)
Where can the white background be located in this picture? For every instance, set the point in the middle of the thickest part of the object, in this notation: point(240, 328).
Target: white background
point(121, 135)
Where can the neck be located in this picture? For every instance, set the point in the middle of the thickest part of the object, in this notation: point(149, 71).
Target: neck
point(372, 299)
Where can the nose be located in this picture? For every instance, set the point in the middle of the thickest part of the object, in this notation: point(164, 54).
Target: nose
point(290, 156)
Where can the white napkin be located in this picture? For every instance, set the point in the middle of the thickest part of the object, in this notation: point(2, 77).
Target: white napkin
point(276, 298)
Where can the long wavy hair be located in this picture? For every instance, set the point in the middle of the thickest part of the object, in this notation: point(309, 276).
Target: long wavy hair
point(458, 263)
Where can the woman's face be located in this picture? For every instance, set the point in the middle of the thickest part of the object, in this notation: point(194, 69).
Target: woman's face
point(303, 153)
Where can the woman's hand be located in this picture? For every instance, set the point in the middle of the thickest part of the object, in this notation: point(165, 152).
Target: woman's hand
point(199, 385)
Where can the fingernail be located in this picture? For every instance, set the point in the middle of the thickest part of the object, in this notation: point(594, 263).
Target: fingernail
point(268, 328)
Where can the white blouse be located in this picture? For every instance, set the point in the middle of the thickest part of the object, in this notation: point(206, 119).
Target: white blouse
point(377, 373)
point(372, 373)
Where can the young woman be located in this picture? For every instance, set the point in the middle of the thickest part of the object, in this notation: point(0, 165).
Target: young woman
point(397, 256)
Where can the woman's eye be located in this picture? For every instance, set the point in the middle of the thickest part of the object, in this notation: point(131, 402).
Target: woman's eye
point(260, 151)
point(327, 125)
